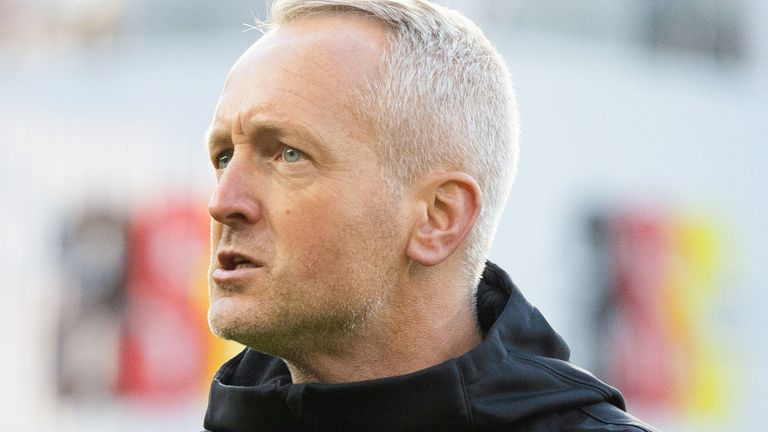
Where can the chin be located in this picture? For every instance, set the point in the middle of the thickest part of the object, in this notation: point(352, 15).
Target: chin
point(229, 319)
point(226, 319)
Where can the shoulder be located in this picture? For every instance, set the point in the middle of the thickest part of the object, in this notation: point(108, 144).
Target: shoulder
point(606, 417)
point(599, 417)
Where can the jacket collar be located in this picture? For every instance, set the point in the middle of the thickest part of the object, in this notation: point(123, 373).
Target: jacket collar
point(518, 370)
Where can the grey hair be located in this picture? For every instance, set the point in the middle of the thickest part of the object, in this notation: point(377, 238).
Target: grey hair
point(444, 100)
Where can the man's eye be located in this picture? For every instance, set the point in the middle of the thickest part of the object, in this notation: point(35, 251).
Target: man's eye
point(290, 154)
point(223, 159)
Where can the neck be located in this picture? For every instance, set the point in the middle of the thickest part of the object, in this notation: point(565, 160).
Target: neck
point(426, 324)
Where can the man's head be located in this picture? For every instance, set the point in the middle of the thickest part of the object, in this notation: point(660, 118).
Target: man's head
point(443, 99)
point(358, 144)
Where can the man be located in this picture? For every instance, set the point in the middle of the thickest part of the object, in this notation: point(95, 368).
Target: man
point(364, 151)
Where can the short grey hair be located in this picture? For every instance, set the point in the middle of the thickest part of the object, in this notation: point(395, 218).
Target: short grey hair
point(444, 100)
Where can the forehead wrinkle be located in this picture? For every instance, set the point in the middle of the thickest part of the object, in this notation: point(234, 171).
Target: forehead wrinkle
point(260, 120)
point(319, 75)
point(236, 125)
point(310, 100)
point(300, 74)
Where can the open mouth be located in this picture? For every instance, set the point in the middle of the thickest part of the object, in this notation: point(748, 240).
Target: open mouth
point(234, 261)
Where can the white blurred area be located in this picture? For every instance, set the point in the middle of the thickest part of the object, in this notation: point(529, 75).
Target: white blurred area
point(104, 104)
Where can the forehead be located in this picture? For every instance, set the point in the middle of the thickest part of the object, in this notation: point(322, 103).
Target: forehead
point(307, 70)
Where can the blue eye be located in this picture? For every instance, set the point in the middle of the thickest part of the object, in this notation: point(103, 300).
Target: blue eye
point(223, 159)
point(290, 154)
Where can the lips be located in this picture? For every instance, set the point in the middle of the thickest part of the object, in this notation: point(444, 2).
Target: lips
point(234, 261)
point(234, 266)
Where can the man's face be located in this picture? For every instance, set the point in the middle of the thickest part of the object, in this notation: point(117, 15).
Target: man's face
point(306, 241)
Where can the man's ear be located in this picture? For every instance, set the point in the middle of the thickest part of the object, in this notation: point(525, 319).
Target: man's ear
point(448, 206)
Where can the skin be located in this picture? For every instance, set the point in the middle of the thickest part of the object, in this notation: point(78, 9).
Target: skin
point(344, 280)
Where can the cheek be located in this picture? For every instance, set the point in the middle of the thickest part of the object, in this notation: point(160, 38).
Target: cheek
point(315, 233)
point(328, 227)
point(309, 224)
point(216, 229)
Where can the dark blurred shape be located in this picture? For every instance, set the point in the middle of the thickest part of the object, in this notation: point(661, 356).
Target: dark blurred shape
point(704, 28)
point(711, 27)
point(655, 331)
point(634, 245)
point(134, 302)
point(93, 262)
point(164, 340)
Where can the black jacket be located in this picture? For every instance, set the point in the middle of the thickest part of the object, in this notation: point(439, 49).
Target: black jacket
point(517, 379)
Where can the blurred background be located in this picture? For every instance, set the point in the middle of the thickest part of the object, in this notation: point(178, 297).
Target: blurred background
point(637, 223)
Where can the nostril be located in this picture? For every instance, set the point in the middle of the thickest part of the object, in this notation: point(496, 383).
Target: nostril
point(235, 219)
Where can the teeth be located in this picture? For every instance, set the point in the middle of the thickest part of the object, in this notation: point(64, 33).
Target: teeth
point(240, 262)
point(236, 262)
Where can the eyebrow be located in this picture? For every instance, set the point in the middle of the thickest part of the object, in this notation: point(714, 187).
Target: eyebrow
point(216, 137)
point(261, 125)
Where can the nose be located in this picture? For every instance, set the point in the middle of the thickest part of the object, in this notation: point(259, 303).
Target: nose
point(233, 202)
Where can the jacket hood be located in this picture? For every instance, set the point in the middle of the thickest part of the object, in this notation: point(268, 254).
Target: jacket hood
point(518, 371)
